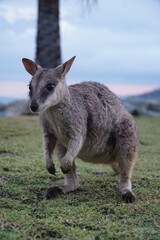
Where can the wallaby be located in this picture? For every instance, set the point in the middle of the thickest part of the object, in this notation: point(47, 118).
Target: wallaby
point(84, 120)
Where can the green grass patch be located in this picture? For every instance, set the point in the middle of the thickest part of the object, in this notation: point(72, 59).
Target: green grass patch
point(95, 211)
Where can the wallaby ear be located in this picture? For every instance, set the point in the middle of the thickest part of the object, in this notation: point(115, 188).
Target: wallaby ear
point(30, 66)
point(67, 65)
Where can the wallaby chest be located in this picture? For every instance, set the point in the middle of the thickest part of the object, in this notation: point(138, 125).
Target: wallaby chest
point(54, 122)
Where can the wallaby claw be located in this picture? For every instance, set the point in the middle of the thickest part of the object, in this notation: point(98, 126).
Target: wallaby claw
point(52, 169)
point(129, 197)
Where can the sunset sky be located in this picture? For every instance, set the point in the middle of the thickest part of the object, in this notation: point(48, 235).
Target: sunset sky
point(116, 42)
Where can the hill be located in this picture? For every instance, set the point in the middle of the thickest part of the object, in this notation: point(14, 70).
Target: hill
point(146, 104)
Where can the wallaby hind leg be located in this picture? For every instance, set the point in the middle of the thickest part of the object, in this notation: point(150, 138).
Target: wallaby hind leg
point(71, 182)
point(126, 155)
point(125, 185)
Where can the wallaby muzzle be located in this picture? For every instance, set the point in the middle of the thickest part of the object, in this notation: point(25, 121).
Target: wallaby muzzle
point(34, 107)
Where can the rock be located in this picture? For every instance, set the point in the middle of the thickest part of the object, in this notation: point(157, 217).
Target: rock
point(135, 113)
point(146, 104)
point(123, 217)
point(19, 107)
point(2, 107)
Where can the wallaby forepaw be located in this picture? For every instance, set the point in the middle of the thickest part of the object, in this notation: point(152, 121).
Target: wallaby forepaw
point(53, 192)
point(51, 169)
point(129, 197)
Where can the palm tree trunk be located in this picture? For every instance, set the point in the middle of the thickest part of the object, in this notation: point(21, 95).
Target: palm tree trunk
point(48, 52)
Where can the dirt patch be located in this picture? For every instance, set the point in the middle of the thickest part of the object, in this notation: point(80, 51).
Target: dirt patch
point(107, 211)
point(39, 194)
point(10, 135)
point(6, 154)
point(91, 228)
point(9, 227)
point(6, 169)
point(28, 201)
point(4, 194)
point(38, 214)
point(51, 234)
point(47, 233)
point(143, 143)
point(81, 226)
point(99, 174)
point(77, 203)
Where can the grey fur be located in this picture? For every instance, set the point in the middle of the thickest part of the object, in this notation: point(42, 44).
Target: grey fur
point(84, 120)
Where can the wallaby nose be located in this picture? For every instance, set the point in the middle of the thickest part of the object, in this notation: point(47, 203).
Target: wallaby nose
point(34, 107)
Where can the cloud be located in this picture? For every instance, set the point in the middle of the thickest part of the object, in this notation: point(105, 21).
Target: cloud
point(118, 15)
point(14, 46)
point(108, 51)
point(20, 35)
point(67, 29)
point(14, 12)
point(117, 40)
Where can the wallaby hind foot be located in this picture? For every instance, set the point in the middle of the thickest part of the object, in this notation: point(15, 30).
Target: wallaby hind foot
point(129, 197)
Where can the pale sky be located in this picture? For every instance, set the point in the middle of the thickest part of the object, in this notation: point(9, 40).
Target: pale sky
point(116, 42)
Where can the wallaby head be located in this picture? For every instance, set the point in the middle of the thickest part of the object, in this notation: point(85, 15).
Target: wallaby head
point(48, 86)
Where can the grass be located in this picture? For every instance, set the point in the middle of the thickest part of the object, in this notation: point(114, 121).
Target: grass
point(95, 211)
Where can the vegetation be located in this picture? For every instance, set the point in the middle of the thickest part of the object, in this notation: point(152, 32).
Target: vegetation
point(95, 211)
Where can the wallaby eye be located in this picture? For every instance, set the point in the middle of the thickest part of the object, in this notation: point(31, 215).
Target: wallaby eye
point(50, 86)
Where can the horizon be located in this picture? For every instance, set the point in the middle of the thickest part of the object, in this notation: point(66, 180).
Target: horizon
point(131, 90)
